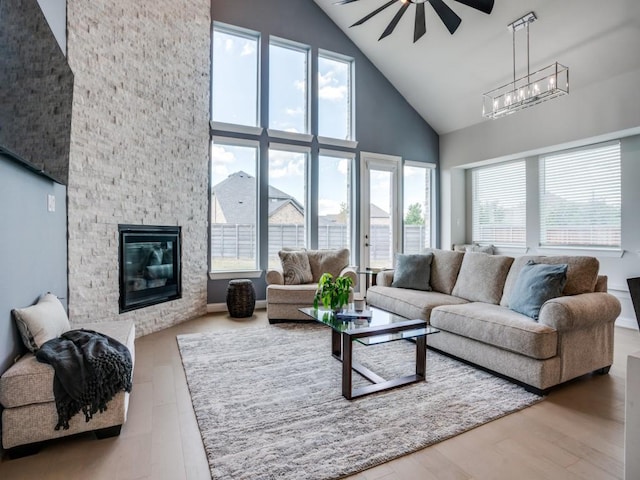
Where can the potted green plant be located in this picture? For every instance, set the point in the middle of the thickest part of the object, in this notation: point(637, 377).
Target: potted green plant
point(332, 293)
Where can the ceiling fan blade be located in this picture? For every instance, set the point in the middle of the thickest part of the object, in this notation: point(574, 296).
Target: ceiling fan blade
point(448, 16)
point(392, 24)
point(485, 6)
point(344, 2)
point(420, 27)
point(375, 12)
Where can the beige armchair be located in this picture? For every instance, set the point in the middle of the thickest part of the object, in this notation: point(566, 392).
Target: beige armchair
point(285, 298)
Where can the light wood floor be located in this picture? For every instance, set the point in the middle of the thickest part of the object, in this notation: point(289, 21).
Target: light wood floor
point(575, 433)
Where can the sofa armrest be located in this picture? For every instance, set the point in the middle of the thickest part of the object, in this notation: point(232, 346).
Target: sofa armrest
point(384, 278)
point(274, 277)
point(351, 273)
point(574, 312)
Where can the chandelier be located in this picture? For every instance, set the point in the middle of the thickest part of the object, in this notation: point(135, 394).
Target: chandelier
point(532, 89)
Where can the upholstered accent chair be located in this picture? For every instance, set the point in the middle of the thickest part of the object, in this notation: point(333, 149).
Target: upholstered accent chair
point(293, 285)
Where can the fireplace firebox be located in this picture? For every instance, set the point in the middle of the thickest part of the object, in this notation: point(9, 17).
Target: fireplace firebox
point(149, 265)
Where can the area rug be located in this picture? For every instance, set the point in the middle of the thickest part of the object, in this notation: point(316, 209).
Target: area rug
point(269, 405)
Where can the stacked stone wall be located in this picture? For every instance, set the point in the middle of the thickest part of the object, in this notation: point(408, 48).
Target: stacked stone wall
point(139, 147)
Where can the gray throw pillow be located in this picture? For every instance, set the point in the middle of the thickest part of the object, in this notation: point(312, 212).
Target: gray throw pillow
point(413, 271)
point(537, 283)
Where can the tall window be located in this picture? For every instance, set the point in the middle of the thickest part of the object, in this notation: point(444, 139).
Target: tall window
point(580, 197)
point(334, 199)
point(287, 199)
point(234, 97)
point(240, 140)
point(288, 87)
point(334, 97)
point(499, 204)
point(233, 205)
point(417, 186)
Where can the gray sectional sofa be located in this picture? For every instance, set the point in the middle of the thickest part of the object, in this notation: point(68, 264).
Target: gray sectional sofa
point(469, 302)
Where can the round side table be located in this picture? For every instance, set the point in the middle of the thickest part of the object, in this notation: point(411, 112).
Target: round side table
point(241, 298)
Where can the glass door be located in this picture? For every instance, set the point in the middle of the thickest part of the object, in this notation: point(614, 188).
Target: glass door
point(380, 210)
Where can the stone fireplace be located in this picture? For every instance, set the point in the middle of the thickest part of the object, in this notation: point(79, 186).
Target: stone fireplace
point(149, 260)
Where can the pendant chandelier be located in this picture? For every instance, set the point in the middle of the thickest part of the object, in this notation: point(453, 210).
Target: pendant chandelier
point(532, 89)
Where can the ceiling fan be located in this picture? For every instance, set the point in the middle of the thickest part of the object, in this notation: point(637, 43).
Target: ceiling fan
point(450, 19)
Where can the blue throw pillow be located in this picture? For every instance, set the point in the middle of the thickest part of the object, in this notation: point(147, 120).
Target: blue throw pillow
point(413, 271)
point(537, 283)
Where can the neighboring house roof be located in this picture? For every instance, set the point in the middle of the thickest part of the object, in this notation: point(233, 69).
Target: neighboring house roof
point(377, 212)
point(237, 200)
point(235, 195)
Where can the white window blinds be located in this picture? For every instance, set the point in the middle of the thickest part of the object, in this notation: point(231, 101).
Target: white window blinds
point(499, 204)
point(580, 197)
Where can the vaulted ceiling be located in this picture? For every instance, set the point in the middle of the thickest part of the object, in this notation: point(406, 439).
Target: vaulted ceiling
point(444, 76)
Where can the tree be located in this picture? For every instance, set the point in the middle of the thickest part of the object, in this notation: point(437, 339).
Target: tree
point(344, 213)
point(414, 215)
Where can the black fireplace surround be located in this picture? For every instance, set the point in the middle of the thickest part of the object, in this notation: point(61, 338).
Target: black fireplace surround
point(150, 270)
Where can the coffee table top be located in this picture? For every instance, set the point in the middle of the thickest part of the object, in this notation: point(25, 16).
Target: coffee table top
point(379, 320)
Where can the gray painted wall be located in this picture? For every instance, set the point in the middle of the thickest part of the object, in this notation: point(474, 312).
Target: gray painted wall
point(33, 247)
point(385, 122)
point(55, 11)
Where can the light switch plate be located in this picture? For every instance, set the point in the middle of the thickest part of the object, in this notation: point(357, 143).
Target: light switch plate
point(51, 203)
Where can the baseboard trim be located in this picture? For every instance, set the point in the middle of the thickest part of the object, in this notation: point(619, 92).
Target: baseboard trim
point(222, 307)
point(625, 322)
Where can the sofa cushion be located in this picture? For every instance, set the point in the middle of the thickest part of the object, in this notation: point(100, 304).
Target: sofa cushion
point(482, 277)
point(295, 267)
point(497, 326)
point(28, 381)
point(41, 322)
point(582, 273)
point(537, 283)
point(300, 295)
point(444, 269)
point(331, 261)
point(413, 271)
point(411, 304)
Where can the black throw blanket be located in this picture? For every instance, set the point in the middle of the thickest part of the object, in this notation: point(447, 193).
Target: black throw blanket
point(90, 368)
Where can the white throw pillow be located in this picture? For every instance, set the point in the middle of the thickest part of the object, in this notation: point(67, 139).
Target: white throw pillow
point(41, 322)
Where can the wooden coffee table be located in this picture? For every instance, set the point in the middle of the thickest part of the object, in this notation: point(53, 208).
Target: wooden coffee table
point(380, 327)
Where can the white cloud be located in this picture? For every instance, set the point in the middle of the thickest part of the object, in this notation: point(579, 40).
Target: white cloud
point(249, 48)
point(300, 85)
point(282, 165)
point(343, 166)
point(219, 171)
point(294, 112)
point(228, 44)
point(328, 207)
point(333, 93)
point(324, 80)
point(221, 156)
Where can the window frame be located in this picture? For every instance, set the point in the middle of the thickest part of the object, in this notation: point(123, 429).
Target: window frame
point(351, 194)
point(275, 133)
point(306, 150)
point(267, 139)
point(586, 248)
point(246, 34)
point(432, 167)
point(231, 274)
point(524, 187)
point(350, 142)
